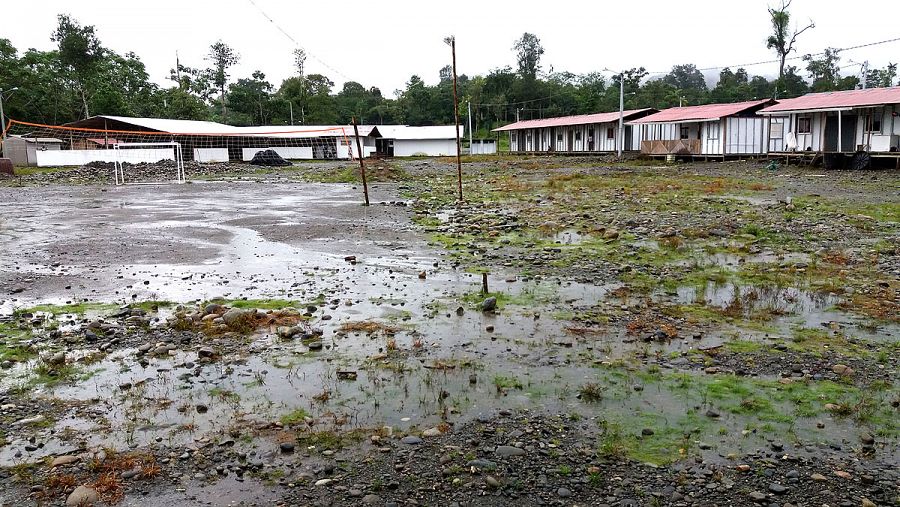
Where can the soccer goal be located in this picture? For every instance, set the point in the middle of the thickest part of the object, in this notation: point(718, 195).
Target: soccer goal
point(136, 153)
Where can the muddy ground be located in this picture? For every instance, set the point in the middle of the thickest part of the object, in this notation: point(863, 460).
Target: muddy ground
point(691, 334)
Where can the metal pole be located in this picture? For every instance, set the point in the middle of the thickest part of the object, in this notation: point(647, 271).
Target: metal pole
point(621, 113)
point(456, 116)
point(2, 125)
point(469, 104)
point(362, 166)
point(291, 106)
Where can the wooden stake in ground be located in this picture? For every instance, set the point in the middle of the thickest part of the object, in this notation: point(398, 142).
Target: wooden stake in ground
point(484, 283)
point(452, 42)
point(362, 166)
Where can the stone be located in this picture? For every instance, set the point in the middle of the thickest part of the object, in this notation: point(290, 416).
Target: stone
point(206, 352)
point(64, 460)
point(508, 450)
point(867, 503)
point(818, 477)
point(489, 304)
point(371, 499)
point(57, 359)
point(323, 482)
point(411, 440)
point(82, 497)
point(287, 447)
point(842, 370)
point(778, 489)
point(235, 317)
point(315, 345)
point(564, 492)
point(492, 481)
point(757, 496)
point(712, 413)
point(432, 432)
point(481, 464)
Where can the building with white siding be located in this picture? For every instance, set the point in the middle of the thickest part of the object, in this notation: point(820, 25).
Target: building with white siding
point(836, 122)
point(711, 130)
point(406, 141)
point(584, 133)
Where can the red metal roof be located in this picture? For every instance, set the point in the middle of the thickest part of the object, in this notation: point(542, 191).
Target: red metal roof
point(581, 119)
point(700, 113)
point(830, 100)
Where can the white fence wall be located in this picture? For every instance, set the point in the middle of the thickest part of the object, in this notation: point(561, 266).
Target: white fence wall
point(430, 147)
point(286, 152)
point(81, 157)
point(211, 154)
point(482, 148)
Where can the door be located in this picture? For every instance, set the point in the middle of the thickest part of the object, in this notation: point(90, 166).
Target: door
point(629, 138)
point(571, 145)
point(591, 139)
point(848, 133)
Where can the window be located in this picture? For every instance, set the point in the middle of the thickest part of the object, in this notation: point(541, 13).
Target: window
point(874, 121)
point(777, 131)
point(685, 132)
point(712, 131)
point(578, 135)
point(611, 133)
point(804, 125)
point(559, 138)
point(591, 135)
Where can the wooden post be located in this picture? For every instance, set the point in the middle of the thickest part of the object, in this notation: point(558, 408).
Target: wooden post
point(362, 166)
point(484, 284)
point(456, 117)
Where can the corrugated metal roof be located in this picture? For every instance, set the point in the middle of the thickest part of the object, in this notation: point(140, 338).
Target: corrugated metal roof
point(173, 126)
point(420, 133)
point(305, 131)
point(700, 113)
point(48, 140)
point(830, 100)
point(580, 119)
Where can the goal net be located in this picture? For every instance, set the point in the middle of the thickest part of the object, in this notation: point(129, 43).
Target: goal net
point(133, 150)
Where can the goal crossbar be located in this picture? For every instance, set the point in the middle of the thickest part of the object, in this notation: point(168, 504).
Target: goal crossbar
point(119, 169)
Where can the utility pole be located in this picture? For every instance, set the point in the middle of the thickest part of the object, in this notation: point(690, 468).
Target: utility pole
point(362, 166)
point(3, 119)
point(451, 40)
point(621, 113)
point(865, 73)
point(469, 104)
point(291, 106)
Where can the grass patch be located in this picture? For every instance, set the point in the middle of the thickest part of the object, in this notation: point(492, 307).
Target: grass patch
point(293, 417)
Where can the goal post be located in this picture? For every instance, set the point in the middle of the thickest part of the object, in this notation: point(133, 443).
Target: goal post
point(148, 153)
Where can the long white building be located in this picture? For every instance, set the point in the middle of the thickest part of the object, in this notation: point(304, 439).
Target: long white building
point(584, 133)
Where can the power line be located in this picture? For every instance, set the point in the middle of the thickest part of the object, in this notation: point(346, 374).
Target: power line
point(314, 57)
point(739, 65)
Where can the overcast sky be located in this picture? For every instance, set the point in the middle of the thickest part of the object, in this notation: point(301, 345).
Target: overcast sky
point(383, 43)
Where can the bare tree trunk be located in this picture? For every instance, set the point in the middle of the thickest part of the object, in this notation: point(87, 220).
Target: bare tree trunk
point(224, 110)
point(87, 114)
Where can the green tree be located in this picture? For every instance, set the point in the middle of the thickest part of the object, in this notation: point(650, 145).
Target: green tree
point(251, 100)
point(528, 55)
point(881, 78)
point(783, 38)
point(824, 72)
point(222, 57)
point(80, 52)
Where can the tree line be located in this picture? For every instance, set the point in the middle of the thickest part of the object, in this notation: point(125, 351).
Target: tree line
point(81, 77)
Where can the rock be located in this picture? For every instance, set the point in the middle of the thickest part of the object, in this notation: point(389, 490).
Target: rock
point(64, 460)
point(867, 439)
point(778, 489)
point(564, 492)
point(757, 496)
point(868, 503)
point(314, 345)
point(82, 497)
point(818, 477)
point(411, 440)
point(432, 432)
point(508, 450)
point(492, 481)
point(287, 447)
point(206, 352)
point(213, 308)
point(371, 499)
point(57, 359)
point(489, 304)
point(236, 317)
point(646, 432)
point(712, 414)
point(481, 464)
point(842, 370)
point(324, 482)
point(611, 234)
